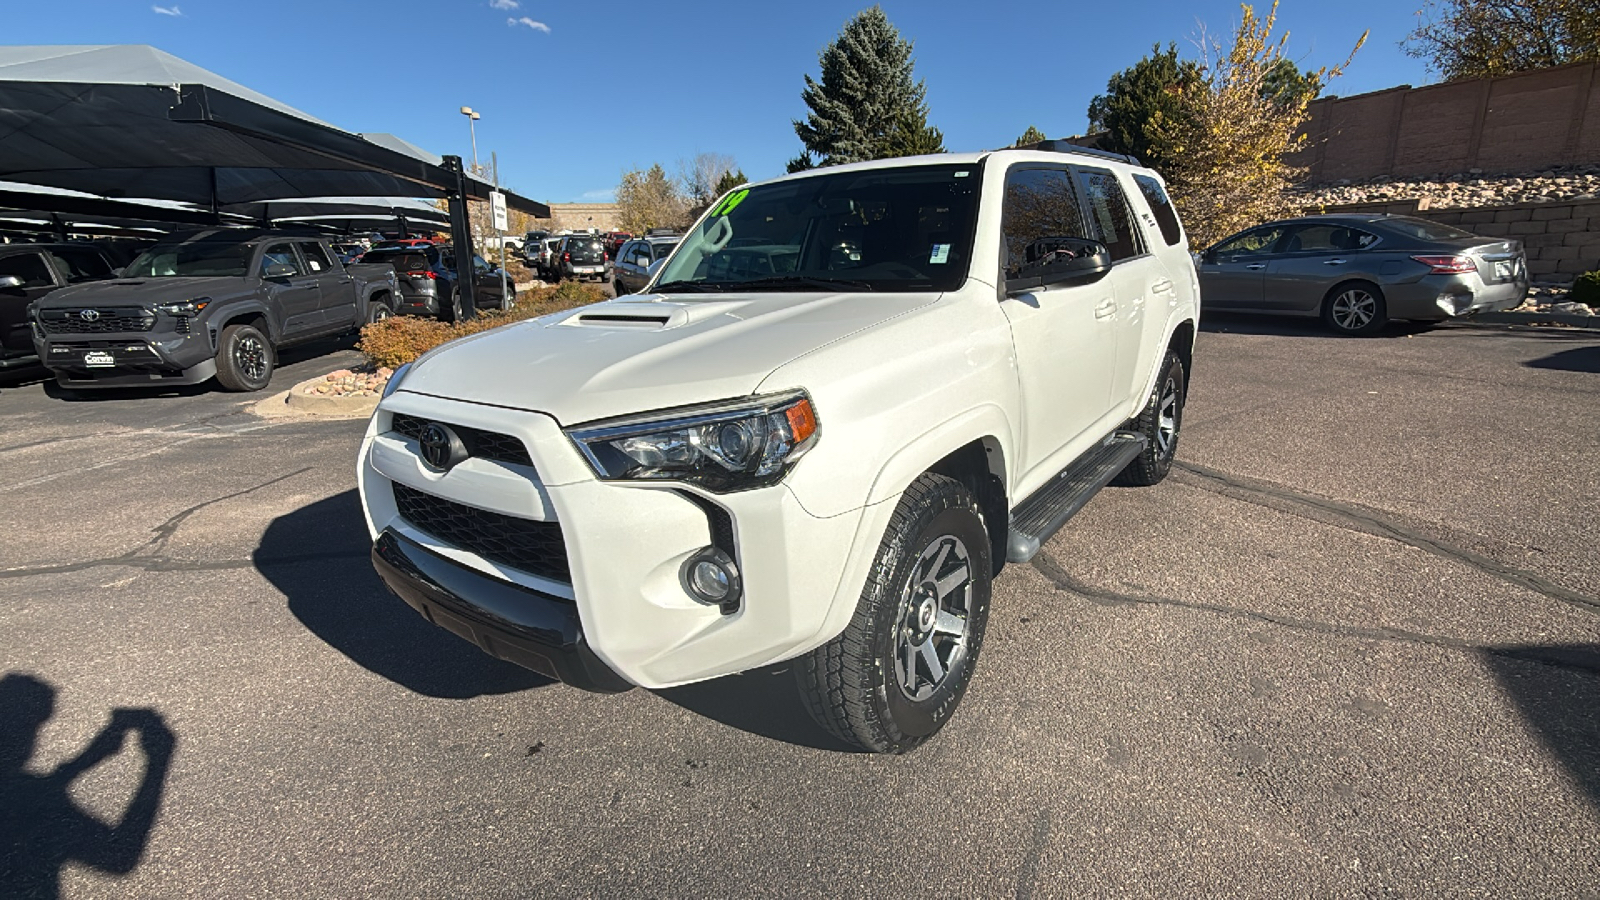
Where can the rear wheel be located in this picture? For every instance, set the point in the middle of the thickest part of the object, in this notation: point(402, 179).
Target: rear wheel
point(1355, 308)
point(896, 674)
point(616, 288)
point(244, 359)
point(455, 312)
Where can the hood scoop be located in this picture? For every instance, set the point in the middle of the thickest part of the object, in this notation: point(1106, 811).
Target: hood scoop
point(634, 315)
point(626, 320)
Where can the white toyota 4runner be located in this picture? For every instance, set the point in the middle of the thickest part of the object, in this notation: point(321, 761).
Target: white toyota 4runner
point(843, 403)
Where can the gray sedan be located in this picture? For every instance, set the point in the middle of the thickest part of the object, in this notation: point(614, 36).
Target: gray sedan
point(1358, 271)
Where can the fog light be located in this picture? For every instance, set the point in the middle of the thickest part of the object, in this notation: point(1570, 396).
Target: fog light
point(711, 577)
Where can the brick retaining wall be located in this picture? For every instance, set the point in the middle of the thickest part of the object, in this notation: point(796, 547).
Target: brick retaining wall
point(1562, 239)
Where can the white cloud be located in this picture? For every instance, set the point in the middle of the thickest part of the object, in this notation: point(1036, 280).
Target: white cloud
point(167, 10)
point(536, 26)
point(503, 4)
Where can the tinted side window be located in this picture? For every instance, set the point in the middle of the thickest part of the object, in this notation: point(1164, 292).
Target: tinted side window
point(1039, 203)
point(1109, 210)
point(29, 267)
point(1161, 207)
point(1256, 242)
point(316, 257)
point(280, 253)
point(1328, 238)
point(81, 265)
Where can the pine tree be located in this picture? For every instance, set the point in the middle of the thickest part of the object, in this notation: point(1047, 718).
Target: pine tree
point(1141, 101)
point(729, 181)
point(1030, 137)
point(867, 105)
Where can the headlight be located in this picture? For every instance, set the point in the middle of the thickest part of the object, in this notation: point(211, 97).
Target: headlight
point(730, 446)
point(393, 384)
point(185, 308)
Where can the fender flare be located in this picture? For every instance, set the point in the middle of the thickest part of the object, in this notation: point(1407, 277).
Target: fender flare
point(232, 309)
point(985, 422)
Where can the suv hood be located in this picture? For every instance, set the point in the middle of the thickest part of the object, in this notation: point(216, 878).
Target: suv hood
point(646, 353)
point(141, 291)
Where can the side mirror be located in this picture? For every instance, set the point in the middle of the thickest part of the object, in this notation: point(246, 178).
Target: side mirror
point(279, 270)
point(1060, 261)
point(654, 267)
point(10, 281)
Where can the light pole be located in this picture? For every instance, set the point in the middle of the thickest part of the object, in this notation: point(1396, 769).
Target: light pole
point(472, 117)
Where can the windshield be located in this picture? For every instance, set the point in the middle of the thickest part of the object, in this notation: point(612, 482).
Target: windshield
point(201, 258)
point(901, 229)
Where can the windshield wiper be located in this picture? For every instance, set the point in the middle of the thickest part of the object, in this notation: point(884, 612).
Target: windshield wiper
point(809, 281)
point(689, 287)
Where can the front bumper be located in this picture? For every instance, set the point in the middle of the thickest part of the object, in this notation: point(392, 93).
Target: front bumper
point(132, 360)
point(626, 546)
point(535, 630)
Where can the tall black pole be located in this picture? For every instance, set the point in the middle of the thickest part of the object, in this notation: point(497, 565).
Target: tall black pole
point(461, 237)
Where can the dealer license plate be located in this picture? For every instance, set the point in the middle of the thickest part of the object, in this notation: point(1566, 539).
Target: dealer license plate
point(99, 359)
point(1505, 269)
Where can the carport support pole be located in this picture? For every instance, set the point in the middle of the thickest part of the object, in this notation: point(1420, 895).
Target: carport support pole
point(461, 237)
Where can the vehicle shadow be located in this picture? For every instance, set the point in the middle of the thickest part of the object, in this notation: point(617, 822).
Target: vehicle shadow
point(1575, 359)
point(41, 827)
point(1557, 689)
point(764, 702)
point(318, 556)
point(1295, 326)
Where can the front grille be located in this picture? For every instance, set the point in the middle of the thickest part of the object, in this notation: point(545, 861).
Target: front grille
point(121, 320)
point(482, 444)
point(535, 547)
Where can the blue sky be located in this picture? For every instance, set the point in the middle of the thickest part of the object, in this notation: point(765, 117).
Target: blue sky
point(574, 93)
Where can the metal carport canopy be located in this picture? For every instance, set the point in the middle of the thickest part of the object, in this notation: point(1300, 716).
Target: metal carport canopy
point(131, 121)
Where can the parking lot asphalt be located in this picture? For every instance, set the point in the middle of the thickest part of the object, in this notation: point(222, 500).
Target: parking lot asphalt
point(1350, 647)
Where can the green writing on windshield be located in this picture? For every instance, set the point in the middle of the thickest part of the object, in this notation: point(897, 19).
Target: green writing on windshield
point(731, 201)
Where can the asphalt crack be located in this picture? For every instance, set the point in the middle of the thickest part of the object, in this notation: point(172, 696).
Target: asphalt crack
point(1063, 580)
point(1371, 522)
point(151, 555)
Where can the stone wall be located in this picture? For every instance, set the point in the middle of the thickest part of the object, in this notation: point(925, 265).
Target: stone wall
point(1561, 239)
point(1548, 117)
point(583, 216)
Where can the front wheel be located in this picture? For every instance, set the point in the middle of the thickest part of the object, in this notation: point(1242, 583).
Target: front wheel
point(896, 674)
point(244, 359)
point(1159, 422)
point(1355, 309)
point(378, 310)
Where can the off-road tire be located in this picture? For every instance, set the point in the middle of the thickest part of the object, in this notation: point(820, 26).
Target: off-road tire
point(1337, 317)
point(1161, 423)
point(851, 684)
point(244, 359)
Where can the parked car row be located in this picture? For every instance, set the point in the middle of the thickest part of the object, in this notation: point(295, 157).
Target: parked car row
point(428, 285)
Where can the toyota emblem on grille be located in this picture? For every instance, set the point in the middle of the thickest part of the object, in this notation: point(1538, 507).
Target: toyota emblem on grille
point(89, 315)
point(441, 447)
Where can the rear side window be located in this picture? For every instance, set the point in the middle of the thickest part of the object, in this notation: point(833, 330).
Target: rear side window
point(81, 265)
point(29, 267)
point(1039, 203)
point(1161, 207)
point(316, 257)
point(403, 261)
point(1424, 230)
point(1108, 208)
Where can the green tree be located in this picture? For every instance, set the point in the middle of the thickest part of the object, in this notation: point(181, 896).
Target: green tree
point(801, 163)
point(729, 181)
point(1030, 137)
point(1225, 144)
point(649, 199)
point(1478, 38)
point(1141, 101)
point(867, 104)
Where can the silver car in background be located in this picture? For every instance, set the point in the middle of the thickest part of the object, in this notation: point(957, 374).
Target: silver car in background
point(1358, 271)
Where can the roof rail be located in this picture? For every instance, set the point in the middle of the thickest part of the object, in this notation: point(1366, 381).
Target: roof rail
point(1065, 147)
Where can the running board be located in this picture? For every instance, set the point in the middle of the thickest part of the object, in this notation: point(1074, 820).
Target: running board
point(1048, 508)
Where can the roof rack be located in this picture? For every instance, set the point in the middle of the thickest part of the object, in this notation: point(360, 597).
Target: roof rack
point(1065, 147)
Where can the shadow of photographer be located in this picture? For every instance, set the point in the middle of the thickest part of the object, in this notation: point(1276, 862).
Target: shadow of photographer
point(41, 828)
point(319, 557)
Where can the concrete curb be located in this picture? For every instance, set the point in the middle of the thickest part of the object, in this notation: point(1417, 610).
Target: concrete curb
point(1536, 318)
point(296, 402)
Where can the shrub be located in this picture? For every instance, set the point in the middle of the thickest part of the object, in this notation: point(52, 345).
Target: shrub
point(401, 339)
point(1586, 289)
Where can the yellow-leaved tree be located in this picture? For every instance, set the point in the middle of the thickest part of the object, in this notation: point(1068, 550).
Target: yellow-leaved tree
point(1237, 121)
